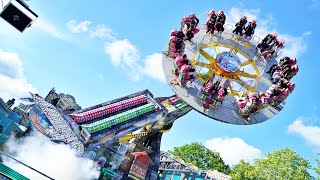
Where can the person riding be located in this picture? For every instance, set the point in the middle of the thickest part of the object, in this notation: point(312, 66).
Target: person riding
point(221, 19)
point(219, 95)
point(194, 18)
point(239, 27)
point(176, 44)
point(181, 36)
point(287, 61)
point(291, 71)
point(291, 86)
point(212, 14)
point(187, 30)
point(273, 68)
point(279, 92)
point(275, 47)
point(270, 38)
point(174, 32)
point(263, 102)
point(249, 30)
point(171, 45)
point(179, 61)
point(211, 21)
point(183, 22)
point(274, 91)
point(276, 76)
point(206, 89)
point(246, 104)
point(183, 74)
point(267, 42)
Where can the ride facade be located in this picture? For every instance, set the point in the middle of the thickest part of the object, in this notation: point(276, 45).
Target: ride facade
point(214, 69)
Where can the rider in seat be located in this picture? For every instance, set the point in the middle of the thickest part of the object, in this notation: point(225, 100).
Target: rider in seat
point(267, 42)
point(246, 104)
point(219, 96)
point(211, 21)
point(291, 71)
point(183, 22)
point(276, 76)
point(206, 89)
point(249, 30)
point(194, 21)
point(221, 19)
point(275, 47)
point(262, 102)
point(239, 27)
point(185, 74)
point(187, 30)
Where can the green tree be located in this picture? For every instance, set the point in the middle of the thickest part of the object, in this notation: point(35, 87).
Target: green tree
point(243, 171)
point(283, 164)
point(202, 157)
point(317, 168)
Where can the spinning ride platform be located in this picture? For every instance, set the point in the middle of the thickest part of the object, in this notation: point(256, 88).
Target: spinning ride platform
point(236, 64)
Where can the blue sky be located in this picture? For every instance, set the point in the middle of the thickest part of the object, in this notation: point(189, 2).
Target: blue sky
point(102, 50)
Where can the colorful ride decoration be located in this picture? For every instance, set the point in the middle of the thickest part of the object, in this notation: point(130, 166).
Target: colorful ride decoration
point(108, 109)
point(139, 166)
point(119, 118)
point(242, 73)
point(53, 124)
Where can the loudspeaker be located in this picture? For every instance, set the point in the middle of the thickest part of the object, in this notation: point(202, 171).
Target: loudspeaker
point(16, 17)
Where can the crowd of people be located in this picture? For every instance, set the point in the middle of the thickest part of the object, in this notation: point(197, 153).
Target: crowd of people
point(213, 92)
point(270, 46)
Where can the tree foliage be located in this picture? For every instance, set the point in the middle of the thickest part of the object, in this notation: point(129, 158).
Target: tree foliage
point(283, 164)
point(317, 168)
point(243, 171)
point(202, 157)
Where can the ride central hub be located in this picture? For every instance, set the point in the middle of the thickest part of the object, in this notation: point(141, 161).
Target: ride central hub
point(228, 62)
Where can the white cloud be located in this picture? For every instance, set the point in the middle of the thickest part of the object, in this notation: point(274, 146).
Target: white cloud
point(48, 27)
point(102, 31)
point(309, 133)
point(10, 65)
point(126, 55)
point(78, 27)
point(122, 52)
point(55, 160)
point(13, 82)
point(153, 67)
point(294, 45)
point(232, 150)
point(41, 25)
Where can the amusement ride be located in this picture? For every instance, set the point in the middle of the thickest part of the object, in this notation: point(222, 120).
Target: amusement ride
point(224, 72)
